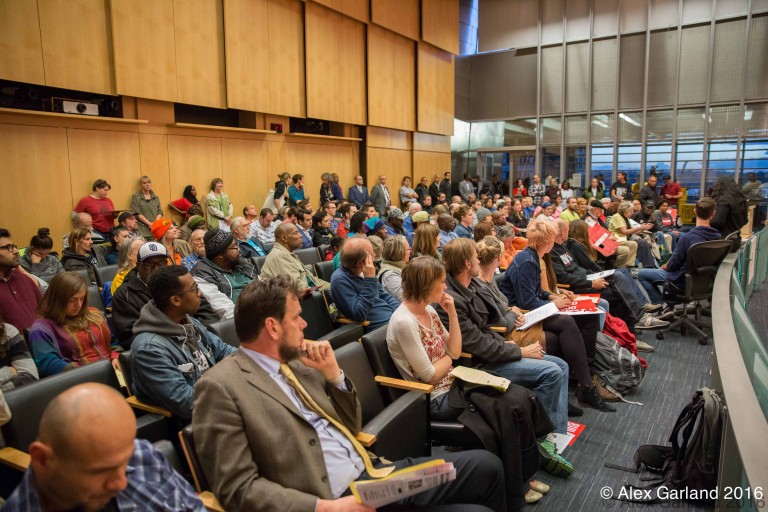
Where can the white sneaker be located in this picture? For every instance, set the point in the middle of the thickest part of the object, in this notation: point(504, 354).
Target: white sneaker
point(649, 322)
point(644, 347)
point(651, 308)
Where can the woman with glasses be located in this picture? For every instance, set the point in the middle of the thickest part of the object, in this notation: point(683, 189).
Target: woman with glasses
point(69, 333)
point(79, 255)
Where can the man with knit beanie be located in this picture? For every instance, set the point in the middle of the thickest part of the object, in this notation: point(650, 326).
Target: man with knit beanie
point(222, 274)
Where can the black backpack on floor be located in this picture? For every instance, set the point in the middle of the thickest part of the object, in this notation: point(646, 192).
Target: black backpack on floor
point(691, 462)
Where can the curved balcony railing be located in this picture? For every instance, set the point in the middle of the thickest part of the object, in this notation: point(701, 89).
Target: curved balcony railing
point(740, 370)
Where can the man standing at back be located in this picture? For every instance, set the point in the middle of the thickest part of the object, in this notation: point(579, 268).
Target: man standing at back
point(274, 424)
point(671, 191)
point(358, 193)
point(380, 197)
point(19, 294)
point(87, 458)
point(172, 350)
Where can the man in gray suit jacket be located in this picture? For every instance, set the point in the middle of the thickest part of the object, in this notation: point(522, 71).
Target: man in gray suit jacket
point(381, 197)
point(264, 449)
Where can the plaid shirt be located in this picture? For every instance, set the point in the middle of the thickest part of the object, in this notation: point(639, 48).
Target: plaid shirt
point(537, 192)
point(152, 485)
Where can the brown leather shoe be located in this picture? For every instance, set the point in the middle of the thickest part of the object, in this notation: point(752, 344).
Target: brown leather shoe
point(604, 393)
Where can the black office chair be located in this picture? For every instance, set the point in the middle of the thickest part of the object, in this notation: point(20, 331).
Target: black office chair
point(448, 433)
point(320, 326)
point(308, 256)
point(324, 270)
point(105, 274)
point(400, 427)
point(323, 250)
point(701, 266)
point(225, 329)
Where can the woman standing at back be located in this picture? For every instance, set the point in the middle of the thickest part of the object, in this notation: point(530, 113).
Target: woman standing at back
point(69, 334)
point(219, 206)
point(731, 211)
point(147, 205)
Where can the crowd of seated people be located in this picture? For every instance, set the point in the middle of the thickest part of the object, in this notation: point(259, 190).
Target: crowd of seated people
point(445, 278)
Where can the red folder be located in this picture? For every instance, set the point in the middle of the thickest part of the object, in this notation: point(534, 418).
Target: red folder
point(600, 238)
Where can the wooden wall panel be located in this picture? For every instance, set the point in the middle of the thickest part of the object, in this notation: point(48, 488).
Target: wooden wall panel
point(286, 58)
point(153, 154)
point(195, 161)
point(199, 40)
point(401, 16)
point(335, 66)
point(353, 106)
point(113, 156)
point(391, 80)
point(393, 163)
point(357, 9)
point(144, 48)
point(344, 161)
point(245, 165)
point(435, 90)
point(386, 138)
point(322, 35)
point(404, 101)
point(247, 54)
point(21, 54)
point(440, 24)
point(305, 159)
point(276, 161)
point(76, 48)
point(39, 181)
point(428, 164)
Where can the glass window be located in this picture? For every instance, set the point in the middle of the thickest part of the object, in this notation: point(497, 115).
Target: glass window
point(721, 161)
point(550, 162)
point(520, 133)
point(576, 167)
point(629, 158)
point(754, 159)
point(688, 169)
point(602, 162)
point(658, 159)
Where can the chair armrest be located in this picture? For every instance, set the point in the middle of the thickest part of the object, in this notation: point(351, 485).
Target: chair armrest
point(345, 320)
point(404, 384)
point(401, 428)
point(14, 458)
point(365, 439)
point(210, 501)
point(345, 334)
point(138, 404)
point(465, 355)
point(563, 286)
point(499, 328)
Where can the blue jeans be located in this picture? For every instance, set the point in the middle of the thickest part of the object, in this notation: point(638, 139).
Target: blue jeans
point(603, 307)
point(548, 378)
point(649, 278)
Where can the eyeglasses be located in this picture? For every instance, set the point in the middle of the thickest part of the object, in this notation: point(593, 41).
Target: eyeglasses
point(10, 247)
point(194, 289)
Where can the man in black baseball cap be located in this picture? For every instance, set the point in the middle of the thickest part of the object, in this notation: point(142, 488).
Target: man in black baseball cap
point(131, 223)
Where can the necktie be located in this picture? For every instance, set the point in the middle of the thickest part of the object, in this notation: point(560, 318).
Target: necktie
point(292, 381)
point(386, 194)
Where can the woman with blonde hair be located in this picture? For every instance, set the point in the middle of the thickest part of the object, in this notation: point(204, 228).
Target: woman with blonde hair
point(426, 240)
point(69, 334)
point(622, 229)
point(146, 204)
point(522, 287)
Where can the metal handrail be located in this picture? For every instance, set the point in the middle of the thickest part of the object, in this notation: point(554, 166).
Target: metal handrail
point(747, 425)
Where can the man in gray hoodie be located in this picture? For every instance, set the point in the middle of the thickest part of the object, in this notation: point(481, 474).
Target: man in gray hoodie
point(172, 350)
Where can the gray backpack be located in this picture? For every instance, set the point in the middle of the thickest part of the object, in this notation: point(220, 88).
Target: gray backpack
point(617, 367)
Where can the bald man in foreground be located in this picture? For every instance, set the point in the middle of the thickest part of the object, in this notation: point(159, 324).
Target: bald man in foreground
point(87, 458)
